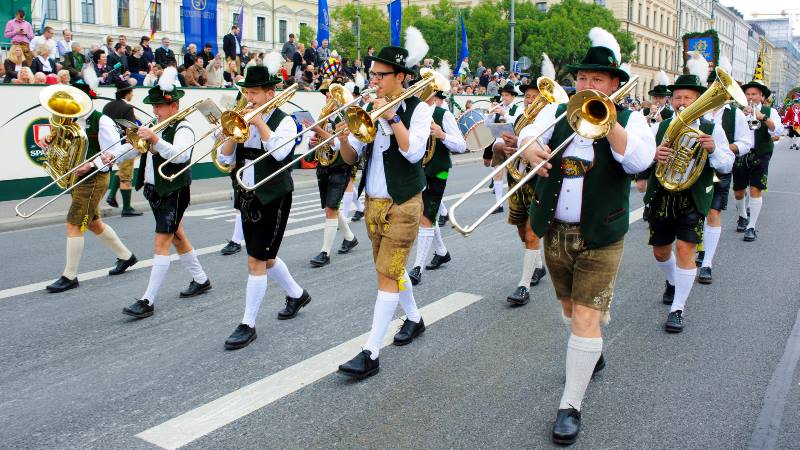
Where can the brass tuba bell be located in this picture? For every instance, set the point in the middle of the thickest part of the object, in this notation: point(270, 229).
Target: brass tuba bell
point(68, 142)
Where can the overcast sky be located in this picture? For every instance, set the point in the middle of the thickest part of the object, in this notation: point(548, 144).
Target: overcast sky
point(748, 7)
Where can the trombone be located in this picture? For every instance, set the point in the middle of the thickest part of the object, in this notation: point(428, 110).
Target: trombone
point(234, 126)
point(590, 113)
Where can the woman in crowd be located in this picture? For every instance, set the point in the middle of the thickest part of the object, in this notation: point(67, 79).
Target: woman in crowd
point(14, 62)
point(43, 62)
point(138, 65)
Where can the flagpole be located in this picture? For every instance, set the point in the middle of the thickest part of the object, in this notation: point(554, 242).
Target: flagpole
point(358, 31)
point(511, 53)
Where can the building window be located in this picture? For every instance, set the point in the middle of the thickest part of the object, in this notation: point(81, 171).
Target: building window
point(282, 31)
point(87, 11)
point(180, 16)
point(541, 6)
point(155, 16)
point(123, 13)
point(52, 9)
point(261, 29)
point(600, 2)
point(639, 14)
point(235, 20)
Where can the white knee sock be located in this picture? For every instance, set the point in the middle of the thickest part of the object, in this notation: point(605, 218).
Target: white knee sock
point(582, 356)
point(382, 316)
point(438, 244)
point(347, 203)
point(157, 274)
point(528, 266)
point(328, 235)
point(192, 264)
point(668, 268)
point(755, 210)
point(424, 241)
point(357, 202)
point(567, 321)
point(407, 300)
point(238, 234)
point(710, 241)
point(442, 209)
point(74, 252)
point(684, 280)
point(540, 259)
point(498, 190)
point(345, 227)
point(255, 291)
point(741, 208)
point(111, 240)
point(280, 273)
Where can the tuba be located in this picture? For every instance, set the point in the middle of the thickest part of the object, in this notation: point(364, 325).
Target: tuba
point(68, 142)
point(339, 96)
point(687, 159)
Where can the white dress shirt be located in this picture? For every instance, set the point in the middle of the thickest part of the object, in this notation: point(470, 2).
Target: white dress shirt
point(282, 135)
point(184, 137)
point(639, 154)
point(722, 158)
point(742, 136)
point(776, 119)
point(418, 133)
point(453, 140)
point(107, 137)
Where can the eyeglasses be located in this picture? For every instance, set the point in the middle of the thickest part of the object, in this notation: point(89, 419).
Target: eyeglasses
point(379, 75)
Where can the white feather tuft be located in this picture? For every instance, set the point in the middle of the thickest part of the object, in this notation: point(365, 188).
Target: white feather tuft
point(359, 80)
point(548, 70)
point(416, 46)
point(698, 66)
point(350, 86)
point(168, 80)
point(90, 76)
point(602, 38)
point(273, 62)
point(725, 64)
point(444, 69)
point(661, 78)
point(625, 67)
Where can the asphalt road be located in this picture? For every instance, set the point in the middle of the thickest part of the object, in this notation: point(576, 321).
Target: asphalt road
point(78, 374)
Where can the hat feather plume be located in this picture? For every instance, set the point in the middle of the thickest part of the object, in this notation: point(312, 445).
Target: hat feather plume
point(90, 76)
point(661, 78)
point(725, 64)
point(444, 69)
point(548, 69)
point(273, 62)
point(698, 66)
point(416, 45)
point(359, 80)
point(602, 38)
point(168, 80)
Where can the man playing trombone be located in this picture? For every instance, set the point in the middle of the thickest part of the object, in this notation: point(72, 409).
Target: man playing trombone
point(580, 208)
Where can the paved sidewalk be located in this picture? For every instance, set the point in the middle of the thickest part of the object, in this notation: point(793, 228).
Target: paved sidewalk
point(208, 190)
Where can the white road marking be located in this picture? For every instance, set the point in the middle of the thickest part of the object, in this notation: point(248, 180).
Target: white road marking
point(204, 419)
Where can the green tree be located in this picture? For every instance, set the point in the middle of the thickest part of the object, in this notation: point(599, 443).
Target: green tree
point(307, 34)
point(374, 29)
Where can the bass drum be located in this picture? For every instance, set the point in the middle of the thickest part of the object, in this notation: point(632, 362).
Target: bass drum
point(473, 126)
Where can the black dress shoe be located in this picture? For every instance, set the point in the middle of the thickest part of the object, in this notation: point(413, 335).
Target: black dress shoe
point(358, 215)
point(348, 245)
point(62, 284)
point(567, 426)
point(674, 322)
point(123, 264)
point(112, 202)
point(698, 260)
point(320, 260)
point(669, 294)
point(360, 367)
point(646, 213)
point(140, 309)
point(601, 364)
point(196, 288)
point(415, 275)
point(538, 274)
point(437, 261)
point(409, 331)
point(520, 297)
point(750, 235)
point(705, 275)
point(443, 220)
point(231, 248)
point(131, 212)
point(498, 210)
point(241, 337)
point(741, 224)
point(293, 305)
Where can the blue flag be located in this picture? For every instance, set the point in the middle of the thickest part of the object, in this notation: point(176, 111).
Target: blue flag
point(395, 20)
point(240, 22)
point(200, 23)
point(323, 22)
point(464, 47)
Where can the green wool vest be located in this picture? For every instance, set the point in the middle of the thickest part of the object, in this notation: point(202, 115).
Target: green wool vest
point(440, 162)
point(403, 179)
point(279, 186)
point(763, 144)
point(605, 208)
point(92, 132)
point(164, 187)
point(702, 191)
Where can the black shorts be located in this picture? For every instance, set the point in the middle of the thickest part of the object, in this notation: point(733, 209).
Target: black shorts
point(332, 183)
point(721, 190)
point(432, 197)
point(168, 210)
point(793, 132)
point(643, 175)
point(263, 225)
point(674, 216)
point(751, 170)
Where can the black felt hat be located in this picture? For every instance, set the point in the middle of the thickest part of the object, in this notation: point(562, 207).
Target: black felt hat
point(440, 94)
point(509, 87)
point(760, 85)
point(258, 76)
point(525, 87)
point(659, 90)
point(395, 57)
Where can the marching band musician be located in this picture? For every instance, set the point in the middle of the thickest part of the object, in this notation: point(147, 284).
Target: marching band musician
point(84, 212)
point(265, 211)
point(581, 209)
point(792, 122)
point(121, 108)
point(503, 112)
point(659, 110)
point(447, 138)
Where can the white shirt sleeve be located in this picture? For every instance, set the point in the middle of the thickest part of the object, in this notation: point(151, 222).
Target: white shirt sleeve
point(641, 146)
point(722, 158)
point(418, 132)
point(453, 139)
point(776, 119)
point(184, 137)
point(286, 130)
point(229, 159)
point(543, 121)
point(742, 136)
point(109, 140)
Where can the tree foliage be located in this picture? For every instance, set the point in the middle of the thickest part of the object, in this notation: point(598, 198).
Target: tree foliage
point(307, 34)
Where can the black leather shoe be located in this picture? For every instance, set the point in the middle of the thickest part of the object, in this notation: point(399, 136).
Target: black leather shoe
point(112, 202)
point(601, 364)
point(520, 297)
point(415, 275)
point(123, 264)
point(360, 367)
point(231, 248)
point(358, 215)
point(698, 260)
point(409, 331)
point(567, 426)
point(646, 213)
point(498, 210)
point(437, 261)
point(348, 245)
point(293, 305)
point(674, 322)
point(705, 275)
point(196, 288)
point(741, 224)
point(131, 212)
point(750, 235)
point(538, 274)
point(669, 294)
point(140, 309)
point(241, 337)
point(443, 220)
point(62, 284)
point(320, 260)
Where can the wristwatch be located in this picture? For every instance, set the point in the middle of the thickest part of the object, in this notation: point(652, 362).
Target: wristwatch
point(395, 119)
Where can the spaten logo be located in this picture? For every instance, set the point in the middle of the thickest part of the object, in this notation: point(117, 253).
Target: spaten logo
point(199, 5)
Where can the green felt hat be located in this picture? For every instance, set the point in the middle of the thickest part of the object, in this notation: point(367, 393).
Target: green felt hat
point(687, 81)
point(155, 96)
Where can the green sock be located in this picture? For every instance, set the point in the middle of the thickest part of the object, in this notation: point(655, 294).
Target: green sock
point(113, 186)
point(126, 198)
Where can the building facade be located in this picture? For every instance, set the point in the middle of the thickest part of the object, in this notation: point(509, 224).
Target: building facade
point(694, 16)
point(785, 58)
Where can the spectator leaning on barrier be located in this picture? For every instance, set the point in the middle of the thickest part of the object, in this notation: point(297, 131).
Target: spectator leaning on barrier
point(164, 55)
point(137, 65)
point(73, 61)
point(25, 76)
point(214, 72)
point(43, 63)
point(152, 77)
point(20, 32)
point(196, 75)
point(64, 46)
point(14, 63)
point(63, 76)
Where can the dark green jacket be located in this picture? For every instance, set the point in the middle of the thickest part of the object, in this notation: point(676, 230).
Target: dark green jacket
point(440, 162)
